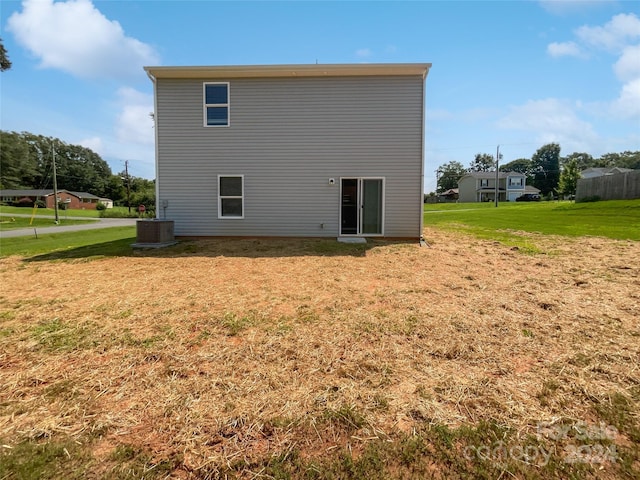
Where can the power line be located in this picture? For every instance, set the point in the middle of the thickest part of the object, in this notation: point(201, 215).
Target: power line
point(480, 146)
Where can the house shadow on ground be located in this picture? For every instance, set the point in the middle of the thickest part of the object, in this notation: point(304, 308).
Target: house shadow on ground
point(223, 247)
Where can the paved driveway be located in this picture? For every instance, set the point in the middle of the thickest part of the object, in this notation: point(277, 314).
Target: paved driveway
point(98, 223)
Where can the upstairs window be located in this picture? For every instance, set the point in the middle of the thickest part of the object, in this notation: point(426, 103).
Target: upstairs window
point(230, 196)
point(515, 181)
point(216, 104)
point(484, 182)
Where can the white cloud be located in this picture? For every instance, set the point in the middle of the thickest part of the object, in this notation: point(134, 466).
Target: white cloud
point(134, 123)
point(564, 49)
point(94, 143)
point(552, 120)
point(363, 53)
point(620, 36)
point(77, 38)
point(628, 65)
point(627, 104)
point(614, 35)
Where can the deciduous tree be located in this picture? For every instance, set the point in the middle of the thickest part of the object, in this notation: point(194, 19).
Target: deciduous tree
point(520, 165)
point(18, 169)
point(546, 168)
point(449, 174)
point(626, 159)
point(583, 160)
point(569, 178)
point(483, 162)
point(26, 162)
point(115, 189)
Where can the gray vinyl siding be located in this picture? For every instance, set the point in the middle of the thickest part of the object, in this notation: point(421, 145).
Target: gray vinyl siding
point(288, 137)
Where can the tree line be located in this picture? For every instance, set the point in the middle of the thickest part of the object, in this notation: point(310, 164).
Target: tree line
point(545, 170)
point(26, 162)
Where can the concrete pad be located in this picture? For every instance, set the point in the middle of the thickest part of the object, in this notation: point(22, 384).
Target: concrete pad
point(153, 245)
point(352, 240)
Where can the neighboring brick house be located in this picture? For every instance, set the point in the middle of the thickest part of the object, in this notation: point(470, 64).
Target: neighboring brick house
point(72, 200)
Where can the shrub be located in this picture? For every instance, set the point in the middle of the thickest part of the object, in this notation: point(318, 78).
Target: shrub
point(101, 206)
point(118, 213)
point(40, 204)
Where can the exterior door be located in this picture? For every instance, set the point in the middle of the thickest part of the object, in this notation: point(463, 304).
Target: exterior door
point(362, 206)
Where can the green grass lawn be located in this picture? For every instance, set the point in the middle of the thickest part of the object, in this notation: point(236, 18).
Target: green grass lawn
point(616, 219)
point(9, 222)
point(447, 207)
point(115, 212)
point(86, 243)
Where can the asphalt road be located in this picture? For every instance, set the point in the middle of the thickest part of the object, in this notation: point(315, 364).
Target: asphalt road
point(98, 223)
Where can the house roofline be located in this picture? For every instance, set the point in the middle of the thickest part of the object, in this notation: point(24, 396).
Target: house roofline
point(29, 192)
point(313, 70)
point(491, 175)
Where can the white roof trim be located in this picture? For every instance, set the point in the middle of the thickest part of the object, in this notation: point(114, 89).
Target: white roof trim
point(313, 70)
point(484, 175)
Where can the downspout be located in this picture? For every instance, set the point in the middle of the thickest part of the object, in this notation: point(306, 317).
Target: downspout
point(155, 127)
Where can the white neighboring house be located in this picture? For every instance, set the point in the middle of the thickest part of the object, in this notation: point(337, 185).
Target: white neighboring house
point(107, 202)
point(593, 172)
point(481, 186)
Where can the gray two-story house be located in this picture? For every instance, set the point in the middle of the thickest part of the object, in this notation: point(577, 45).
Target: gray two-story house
point(481, 186)
point(291, 150)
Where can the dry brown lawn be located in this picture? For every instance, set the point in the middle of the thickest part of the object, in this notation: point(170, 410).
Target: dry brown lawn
point(222, 350)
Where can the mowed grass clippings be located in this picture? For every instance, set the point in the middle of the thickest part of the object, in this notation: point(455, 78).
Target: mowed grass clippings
point(304, 357)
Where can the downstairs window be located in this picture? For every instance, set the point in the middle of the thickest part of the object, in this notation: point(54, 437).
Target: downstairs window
point(230, 196)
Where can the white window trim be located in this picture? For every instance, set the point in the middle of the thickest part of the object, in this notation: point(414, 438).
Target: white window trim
point(484, 182)
point(513, 179)
point(205, 104)
point(220, 197)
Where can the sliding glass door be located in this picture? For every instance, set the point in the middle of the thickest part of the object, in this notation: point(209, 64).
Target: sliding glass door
point(362, 206)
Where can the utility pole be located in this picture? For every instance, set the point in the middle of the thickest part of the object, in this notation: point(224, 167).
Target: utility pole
point(55, 184)
point(498, 174)
point(126, 173)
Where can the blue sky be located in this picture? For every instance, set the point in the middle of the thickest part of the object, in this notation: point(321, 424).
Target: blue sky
point(511, 73)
